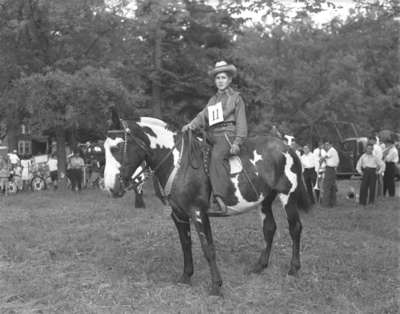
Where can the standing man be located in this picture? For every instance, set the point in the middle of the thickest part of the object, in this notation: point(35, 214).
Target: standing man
point(310, 176)
point(320, 164)
point(52, 163)
point(4, 174)
point(329, 183)
point(368, 166)
point(390, 157)
point(76, 170)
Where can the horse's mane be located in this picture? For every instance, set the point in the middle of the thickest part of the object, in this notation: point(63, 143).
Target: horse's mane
point(157, 123)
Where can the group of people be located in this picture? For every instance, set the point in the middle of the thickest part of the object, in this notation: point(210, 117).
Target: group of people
point(11, 167)
point(20, 171)
point(376, 168)
point(75, 170)
point(319, 169)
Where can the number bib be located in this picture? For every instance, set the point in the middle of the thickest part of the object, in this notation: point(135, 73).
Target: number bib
point(215, 114)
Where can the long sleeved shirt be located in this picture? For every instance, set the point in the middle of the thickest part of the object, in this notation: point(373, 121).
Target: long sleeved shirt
point(308, 160)
point(369, 161)
point(332, 158)
point(391, 155)
point(233, 110)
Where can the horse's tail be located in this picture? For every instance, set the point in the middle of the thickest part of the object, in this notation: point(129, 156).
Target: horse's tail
point(303, 201)
point(301, 194)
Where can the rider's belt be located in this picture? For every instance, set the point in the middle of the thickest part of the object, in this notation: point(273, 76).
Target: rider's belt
point(222, 125)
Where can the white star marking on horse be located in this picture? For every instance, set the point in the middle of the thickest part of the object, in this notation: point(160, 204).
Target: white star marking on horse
point(256, 157)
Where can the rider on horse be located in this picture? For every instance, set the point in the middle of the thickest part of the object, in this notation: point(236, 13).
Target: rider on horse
point(224, 118)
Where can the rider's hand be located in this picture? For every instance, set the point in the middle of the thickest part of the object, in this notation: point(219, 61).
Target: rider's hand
point(186, 127)
point(235, 149)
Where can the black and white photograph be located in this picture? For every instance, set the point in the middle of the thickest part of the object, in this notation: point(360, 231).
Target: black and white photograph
point(199, 156)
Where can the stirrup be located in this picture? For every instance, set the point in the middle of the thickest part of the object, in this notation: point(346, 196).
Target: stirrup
point(220, 208)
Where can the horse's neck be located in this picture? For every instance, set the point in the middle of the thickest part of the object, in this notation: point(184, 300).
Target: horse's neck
point(164, 149)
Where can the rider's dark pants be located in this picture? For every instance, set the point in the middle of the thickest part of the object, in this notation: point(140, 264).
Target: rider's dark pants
point(219, 164)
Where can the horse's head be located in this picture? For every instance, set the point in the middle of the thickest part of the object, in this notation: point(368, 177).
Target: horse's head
point(126, 147)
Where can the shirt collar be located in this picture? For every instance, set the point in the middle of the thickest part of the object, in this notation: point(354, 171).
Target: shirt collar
point(226, 91)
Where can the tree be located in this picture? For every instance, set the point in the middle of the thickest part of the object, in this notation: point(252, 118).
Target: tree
point(57, 101)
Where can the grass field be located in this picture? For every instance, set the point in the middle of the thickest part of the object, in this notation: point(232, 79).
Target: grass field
point(62, 252)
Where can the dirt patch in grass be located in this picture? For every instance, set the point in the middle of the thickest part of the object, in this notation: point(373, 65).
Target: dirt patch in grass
point(62, 252)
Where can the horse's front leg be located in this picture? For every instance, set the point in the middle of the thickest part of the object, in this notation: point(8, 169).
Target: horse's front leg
point(202, 224)
point(183, 226)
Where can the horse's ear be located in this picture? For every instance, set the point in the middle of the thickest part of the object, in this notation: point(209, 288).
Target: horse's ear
point(115, 120)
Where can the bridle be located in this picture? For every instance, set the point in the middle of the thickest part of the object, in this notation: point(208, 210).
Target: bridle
point(138, 180)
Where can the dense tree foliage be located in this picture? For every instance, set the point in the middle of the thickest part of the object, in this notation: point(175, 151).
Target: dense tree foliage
point(64, 60)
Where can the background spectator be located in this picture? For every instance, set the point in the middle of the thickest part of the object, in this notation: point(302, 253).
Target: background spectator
point(308, 161)
point(76, 164)
point(368, 166)
point(26, 174)
point(13, 158)
point(52, 163)
point(390, 157)
point(329, 186)
point(4, 174)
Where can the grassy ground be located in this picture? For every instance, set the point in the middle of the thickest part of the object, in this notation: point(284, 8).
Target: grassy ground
point(62, 252)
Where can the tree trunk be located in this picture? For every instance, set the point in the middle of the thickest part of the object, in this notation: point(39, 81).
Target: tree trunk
point(156, 81)
point(12, 135)
point(61, 157)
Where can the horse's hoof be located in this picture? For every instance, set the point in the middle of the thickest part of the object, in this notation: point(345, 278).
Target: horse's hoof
point(293, 271)
point(257, 268)
point(185, 280)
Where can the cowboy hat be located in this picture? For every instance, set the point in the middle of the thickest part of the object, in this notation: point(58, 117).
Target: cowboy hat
point(222, 66)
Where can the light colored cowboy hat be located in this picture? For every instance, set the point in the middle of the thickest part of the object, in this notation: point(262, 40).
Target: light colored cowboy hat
point(222, 66)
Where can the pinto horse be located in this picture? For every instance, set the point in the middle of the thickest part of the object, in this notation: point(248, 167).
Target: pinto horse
point(270, 169)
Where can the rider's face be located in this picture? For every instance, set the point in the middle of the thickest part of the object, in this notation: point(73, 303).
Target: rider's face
point(222, 81)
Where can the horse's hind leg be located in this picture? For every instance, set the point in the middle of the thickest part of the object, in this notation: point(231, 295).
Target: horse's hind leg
point(269, 228)
point(202, 224)
point(295, 228)
point(183, 227)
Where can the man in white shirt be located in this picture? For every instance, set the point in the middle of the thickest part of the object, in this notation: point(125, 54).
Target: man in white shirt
point(52, 163)
point(329, 183)
point(368, 166)
point(310, 176)
point(319, 154)
point(390, 157)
